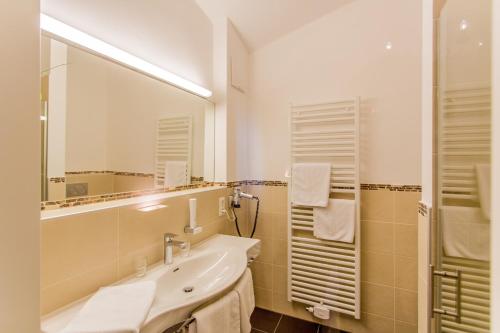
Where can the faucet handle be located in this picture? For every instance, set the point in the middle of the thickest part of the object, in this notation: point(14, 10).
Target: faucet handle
point(169, 236)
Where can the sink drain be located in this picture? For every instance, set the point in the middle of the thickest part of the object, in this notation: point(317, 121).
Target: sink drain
point(188, 289)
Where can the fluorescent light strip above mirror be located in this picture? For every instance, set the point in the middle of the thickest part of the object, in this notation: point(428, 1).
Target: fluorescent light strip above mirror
point(78, 37)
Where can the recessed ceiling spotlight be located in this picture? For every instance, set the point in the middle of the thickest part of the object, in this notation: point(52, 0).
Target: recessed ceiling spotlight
point(464, 25)
point(480, 44)
point(388, 46)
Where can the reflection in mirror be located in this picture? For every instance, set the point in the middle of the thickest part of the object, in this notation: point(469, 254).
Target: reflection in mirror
point(109, 129)
point(464, 144)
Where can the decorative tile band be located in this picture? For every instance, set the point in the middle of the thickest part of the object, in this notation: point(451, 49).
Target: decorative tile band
point(398, 188)
point(57, 180)
point(196, 179)
point(71, 202)
point(423, 209)
point(108, 172)
point(370, 187)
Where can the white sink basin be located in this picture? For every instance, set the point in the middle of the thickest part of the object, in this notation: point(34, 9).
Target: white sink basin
point(212, 268)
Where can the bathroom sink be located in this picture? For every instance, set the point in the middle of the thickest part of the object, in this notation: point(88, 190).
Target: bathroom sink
point(212, 268)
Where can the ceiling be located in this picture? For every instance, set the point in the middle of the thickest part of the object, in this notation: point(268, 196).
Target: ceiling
point(262, 21)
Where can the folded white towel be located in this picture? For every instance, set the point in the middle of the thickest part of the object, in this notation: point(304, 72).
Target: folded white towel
point(244, 288)
point(311, 184)
point(335, 222)
point(222, 316)
point(117, 309)
point(175, 173)
point(466, 233)
point(483, 176)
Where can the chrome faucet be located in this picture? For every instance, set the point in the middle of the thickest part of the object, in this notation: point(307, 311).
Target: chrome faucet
point(168, 247)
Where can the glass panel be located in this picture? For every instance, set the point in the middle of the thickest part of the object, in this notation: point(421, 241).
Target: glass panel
point(463, 168)
point(111, 129)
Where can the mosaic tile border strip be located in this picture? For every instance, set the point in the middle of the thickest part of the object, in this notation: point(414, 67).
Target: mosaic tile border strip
point(109, 172)
point(370, 187)
point(71, 202)
point(398, 188)
point(422, 209)
point(57, 180)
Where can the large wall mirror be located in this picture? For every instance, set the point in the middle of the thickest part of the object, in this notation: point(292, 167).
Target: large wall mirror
point(109, 129)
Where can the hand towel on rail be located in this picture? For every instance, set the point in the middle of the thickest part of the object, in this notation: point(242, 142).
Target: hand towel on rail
point(221, 316)
point(244, 288)
point(483, 176)
point(336, 222)
point(117, 309)
point(311, 184)
point(466, 233)
point(175, 173)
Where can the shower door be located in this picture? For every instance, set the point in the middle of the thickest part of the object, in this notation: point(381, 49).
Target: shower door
point(461, 272)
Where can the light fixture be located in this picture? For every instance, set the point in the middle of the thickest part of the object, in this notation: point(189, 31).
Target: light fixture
point(464, 25)
point(388, 46)
point(480, 44)
point(78, 37)
point(150, 208)
point(42, 118)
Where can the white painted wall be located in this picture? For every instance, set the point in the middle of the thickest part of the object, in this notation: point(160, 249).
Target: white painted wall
point(20, 167)
point(237, 107)
point(175, 35)
point(495, 208)
point(341, 55)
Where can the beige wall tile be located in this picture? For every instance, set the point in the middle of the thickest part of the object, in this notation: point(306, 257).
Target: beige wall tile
point(280, 226)
point(406, 273)
point(377, 299)
point(280, 281)
point(264, 223)
point(405, 209)
point(73, 245)
point(56, 191)
point(263, 298)
point(405, 327)
point(262, 275)
point(280, 252)
point(266, 250)
point(139, 230)
point(377, 237)
point(377, 205)
point(279, 196)
point(406, 306)
point(406, 240)
point(153, 254)
point(72, 289)
point(369, 323)
point(122, 183)
point(377, 268)
point(265, 196)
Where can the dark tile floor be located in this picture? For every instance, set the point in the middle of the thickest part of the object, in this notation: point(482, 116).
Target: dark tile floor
point(264, 321)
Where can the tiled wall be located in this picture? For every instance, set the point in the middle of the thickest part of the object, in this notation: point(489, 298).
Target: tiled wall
point(81, 253)
point(389, 259)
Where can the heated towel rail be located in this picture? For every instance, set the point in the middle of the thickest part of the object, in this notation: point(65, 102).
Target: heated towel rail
point(321, 271)
point(173, 143)
point(464, 142)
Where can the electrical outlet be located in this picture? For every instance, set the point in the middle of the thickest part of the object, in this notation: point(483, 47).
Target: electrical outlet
point(222, 206)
